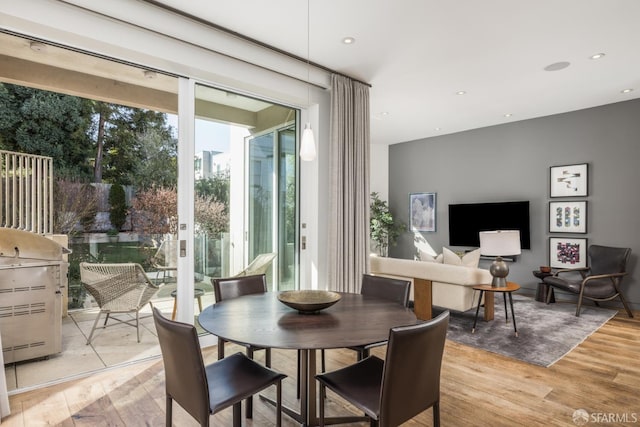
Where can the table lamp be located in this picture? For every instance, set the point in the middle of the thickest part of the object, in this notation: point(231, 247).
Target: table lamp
point(499, 243)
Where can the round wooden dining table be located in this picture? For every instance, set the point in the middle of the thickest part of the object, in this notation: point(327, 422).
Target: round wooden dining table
point(263, 321)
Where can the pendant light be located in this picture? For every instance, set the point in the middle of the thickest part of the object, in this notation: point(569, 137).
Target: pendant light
point(308, 144)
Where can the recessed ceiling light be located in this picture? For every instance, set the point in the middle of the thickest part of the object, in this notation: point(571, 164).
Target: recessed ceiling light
point(597, 56)
point(461, 92)
point(557, 66)
point(348, 40)
point(37, 46)
point(508, 115)
point(437, 129)
point(626, 90)
point(384, 113)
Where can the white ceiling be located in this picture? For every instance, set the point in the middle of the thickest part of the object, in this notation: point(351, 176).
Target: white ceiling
point(417, 54)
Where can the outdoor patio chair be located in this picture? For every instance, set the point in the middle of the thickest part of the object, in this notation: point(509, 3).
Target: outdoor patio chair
point(165, 260)
point(118, 289)
point(598, 282)
point(259, 265)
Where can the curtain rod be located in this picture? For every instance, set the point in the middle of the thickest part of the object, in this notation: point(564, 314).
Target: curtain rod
point(247, 38)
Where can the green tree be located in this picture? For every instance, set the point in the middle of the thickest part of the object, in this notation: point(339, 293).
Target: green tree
point(118, 206)
point(127, 148)
point(158, 164)
point(89, 139)
point(49, 124)
point(216, 188)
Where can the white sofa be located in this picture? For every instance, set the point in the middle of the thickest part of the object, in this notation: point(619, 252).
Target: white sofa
point(451, 285)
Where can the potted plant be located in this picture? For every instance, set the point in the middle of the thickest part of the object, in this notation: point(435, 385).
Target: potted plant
point(113, 233)
point(383, 229)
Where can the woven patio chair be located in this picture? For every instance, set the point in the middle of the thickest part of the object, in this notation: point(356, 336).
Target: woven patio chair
point(117, 288)
point(259, 265)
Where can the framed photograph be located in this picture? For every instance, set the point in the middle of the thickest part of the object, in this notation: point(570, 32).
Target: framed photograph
point(569, 180)
point(422, 211)
point(568, 217)
point(567, 253)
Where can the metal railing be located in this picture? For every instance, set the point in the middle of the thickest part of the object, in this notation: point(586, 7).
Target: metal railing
point(26, 192)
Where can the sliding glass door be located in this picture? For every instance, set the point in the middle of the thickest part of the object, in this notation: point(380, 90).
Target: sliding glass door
point(271, 201)
point(245, 186)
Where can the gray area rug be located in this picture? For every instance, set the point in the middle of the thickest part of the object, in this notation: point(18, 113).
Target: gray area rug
point(546, 332)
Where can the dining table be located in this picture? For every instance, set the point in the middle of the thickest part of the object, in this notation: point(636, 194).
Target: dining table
point(264, 321)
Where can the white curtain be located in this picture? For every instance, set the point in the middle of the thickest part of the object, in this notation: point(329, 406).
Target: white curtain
point(349, 172)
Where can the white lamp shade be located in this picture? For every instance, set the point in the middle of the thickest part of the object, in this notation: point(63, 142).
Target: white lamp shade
point(500, 243)
point(308, 145)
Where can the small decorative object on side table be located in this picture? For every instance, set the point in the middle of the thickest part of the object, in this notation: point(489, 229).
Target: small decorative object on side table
point(543, 288)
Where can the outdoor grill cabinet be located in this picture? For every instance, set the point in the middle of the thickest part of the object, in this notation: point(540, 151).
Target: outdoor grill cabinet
point(32, 276)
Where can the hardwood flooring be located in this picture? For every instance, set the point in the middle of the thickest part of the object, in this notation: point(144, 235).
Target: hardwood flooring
point(478, 388)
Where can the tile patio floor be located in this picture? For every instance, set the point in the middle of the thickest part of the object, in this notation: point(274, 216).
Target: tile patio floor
point(114, 346)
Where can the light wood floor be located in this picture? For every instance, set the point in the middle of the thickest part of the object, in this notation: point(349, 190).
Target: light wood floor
point(601, 376)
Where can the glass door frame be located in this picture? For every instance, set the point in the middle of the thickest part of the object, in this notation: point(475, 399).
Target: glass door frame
point(277, 149)
point(186, 197)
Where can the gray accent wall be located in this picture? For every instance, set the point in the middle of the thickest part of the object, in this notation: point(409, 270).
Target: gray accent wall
point(511, 162)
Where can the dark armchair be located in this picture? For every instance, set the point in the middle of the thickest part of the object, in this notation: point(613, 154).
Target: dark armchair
point(598, 282)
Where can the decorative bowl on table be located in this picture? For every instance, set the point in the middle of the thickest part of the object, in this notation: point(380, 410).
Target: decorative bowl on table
point(545, 269)
point(309, 301)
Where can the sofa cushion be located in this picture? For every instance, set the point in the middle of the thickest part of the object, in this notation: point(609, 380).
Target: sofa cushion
point(470, 259)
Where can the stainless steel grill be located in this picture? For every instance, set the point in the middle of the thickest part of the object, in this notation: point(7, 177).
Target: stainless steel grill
point(31, 282)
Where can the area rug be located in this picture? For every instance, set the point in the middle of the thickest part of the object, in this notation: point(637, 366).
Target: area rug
point(545, 332)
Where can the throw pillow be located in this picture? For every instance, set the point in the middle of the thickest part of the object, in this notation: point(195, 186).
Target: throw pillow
point(429, 258)
point(470, 259)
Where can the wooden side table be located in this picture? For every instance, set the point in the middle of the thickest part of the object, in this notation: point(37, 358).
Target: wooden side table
point(488, 291)
point(543, 289)
point(197, 293)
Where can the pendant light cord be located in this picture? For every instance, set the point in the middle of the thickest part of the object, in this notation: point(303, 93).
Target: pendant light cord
point(308, 51)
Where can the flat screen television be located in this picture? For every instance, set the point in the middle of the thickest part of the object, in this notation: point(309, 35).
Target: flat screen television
point(467, 220)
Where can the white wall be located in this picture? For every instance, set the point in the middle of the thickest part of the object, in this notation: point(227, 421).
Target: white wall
point(511, 162)
point(379, 175)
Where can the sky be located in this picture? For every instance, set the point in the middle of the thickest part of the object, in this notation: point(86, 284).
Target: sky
point(210, 136)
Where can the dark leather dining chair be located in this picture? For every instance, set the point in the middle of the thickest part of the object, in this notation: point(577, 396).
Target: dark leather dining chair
point(396, 389)
point(205, 390)
point(234, 287)
point(396, 290)
point(600, 281)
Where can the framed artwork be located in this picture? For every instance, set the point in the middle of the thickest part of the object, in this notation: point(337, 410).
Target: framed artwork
point(568, 217)
point(569, 180)
point(567, 252)
point(422, 211)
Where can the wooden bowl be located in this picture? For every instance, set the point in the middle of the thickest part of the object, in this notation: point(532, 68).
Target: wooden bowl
point(308, 301)
point(545, 269)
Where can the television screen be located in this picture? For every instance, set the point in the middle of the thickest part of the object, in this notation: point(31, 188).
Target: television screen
point(467, 220)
